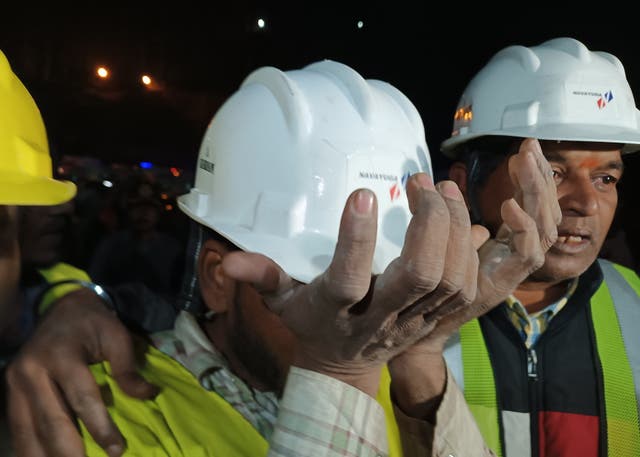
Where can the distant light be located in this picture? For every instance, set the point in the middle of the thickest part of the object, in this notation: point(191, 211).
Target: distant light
point(108, 184)
point(61, 170)
point(146, 165)
point(146, 80)
point(164, 196)
point(102, 72)
point(360, 24)
point(168, 207)
point(174, 171)
point(261, 23)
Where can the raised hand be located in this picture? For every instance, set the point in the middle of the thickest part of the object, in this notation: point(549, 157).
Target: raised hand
point(529, 229)
point(348, 322)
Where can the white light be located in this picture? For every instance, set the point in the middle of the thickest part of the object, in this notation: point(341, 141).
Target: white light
point(107, 183)
point(146, 80)
point(360, 24)
point(261, 23)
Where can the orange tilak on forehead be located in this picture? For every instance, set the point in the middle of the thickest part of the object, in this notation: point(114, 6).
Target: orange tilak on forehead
point(590, 162)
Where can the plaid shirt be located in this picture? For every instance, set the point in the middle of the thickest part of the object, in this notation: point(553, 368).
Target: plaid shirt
point(531, 326)
point(317, 415)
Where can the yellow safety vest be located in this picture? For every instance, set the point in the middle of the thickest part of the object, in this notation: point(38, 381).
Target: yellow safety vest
point(59, 272)
point(616, 319)
point(186, 420)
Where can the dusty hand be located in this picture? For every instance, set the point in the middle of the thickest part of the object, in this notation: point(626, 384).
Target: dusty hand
point(529, 230)
point(348, 324)
point(50, 383)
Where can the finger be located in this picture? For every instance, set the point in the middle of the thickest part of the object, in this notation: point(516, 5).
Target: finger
point(479, 235)
point(23, 434)
point(550, 184)
point(536, 190)
point(273, 284)
point(460, 271)
point(118, 349)
point(418, 270)
point(347, 279)
point(510, 263)
point(455, 287)
point(83, 396)
point(41, 417)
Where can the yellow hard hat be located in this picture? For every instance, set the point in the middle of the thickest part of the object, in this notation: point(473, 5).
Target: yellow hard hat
point(25, 163)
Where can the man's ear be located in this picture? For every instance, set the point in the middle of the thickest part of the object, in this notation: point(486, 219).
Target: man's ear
point(458, 174)
point(215, 287)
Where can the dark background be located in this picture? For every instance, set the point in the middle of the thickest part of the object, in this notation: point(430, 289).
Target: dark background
point(198, 54)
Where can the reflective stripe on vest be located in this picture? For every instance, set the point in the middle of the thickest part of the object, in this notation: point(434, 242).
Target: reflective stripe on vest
point(618, 350)
point(480, 389)
point(615, 308)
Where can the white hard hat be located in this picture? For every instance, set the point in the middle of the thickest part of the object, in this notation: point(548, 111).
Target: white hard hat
point(283, 153)
point(558, 90)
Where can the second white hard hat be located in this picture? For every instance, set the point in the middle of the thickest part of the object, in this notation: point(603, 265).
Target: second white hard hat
point(558, 90)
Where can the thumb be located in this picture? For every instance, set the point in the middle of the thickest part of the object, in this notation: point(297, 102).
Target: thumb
point(265, 275)
point(479, 235)
point(120, 353)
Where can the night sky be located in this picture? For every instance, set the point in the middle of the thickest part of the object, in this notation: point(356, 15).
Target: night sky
point(199, 55)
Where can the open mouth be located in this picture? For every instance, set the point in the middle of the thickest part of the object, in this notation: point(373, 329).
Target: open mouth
point(572, 242)
point(572, 238)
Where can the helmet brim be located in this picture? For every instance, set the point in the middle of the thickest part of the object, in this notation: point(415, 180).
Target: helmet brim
point(32, 190)
point(628, 137)
point(303, 256)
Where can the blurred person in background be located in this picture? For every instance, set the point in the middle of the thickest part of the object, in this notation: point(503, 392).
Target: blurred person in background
point(141, 251)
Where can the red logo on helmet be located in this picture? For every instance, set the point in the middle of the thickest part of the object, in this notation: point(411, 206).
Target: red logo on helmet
point(604, 99)
point(394, 191)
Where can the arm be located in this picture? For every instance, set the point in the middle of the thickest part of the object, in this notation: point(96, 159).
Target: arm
point(49, 382)
point(420, 437)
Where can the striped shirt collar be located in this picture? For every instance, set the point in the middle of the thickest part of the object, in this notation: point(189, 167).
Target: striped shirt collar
point(531, 326)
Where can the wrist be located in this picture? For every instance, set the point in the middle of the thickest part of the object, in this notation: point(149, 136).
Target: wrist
point(418, 384)
point(365, 378)
point(71, 286)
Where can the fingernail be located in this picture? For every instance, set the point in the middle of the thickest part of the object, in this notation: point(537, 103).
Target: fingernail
point(423, 180)
point(363, 202)
point(115, 450)
point(450, 190)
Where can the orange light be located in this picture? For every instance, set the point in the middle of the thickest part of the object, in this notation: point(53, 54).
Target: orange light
point(168, 207)
point(102, 72)
point(174, 171)
point(164, 196)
